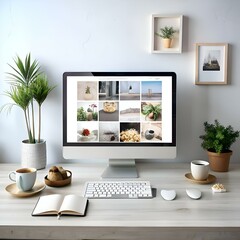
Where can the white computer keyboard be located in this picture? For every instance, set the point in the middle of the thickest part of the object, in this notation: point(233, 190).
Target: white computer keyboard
point(118, 190)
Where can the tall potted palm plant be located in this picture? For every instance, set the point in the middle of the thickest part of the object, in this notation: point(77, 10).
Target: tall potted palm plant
point(28, 86)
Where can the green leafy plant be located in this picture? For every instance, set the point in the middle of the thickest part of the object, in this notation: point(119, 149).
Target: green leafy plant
point(166, 32)
point(87, 91)
point(218, 138)
point(95, 116)
point(81, 114)
point(151, 111)
point(27, 84)
point(88, 115)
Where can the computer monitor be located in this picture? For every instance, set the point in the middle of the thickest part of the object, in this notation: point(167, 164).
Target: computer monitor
point(120, 116)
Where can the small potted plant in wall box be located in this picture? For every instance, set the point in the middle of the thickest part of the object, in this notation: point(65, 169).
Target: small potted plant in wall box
point(29, 88)
point(217, 140)
point(167, 34)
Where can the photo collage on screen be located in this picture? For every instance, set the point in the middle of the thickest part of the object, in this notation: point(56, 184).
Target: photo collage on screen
point(119, 111)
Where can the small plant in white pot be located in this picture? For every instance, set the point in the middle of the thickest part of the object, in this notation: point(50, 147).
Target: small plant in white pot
point(218, 140)
point(88, 94)
point(29, 88)
point(167, 34)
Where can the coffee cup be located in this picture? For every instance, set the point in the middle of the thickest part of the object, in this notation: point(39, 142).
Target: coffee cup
point(24, 178)
point(200, 169)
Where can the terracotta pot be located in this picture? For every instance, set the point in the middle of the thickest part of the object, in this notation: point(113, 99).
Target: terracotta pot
point(167, 42)
point(219, 162)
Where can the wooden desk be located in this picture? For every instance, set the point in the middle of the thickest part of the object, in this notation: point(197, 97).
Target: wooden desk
point(215, 216)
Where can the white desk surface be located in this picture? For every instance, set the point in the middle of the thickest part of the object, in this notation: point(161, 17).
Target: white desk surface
point(214, 216)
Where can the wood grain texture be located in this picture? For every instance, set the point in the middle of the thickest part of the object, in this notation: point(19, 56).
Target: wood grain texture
point(214, 216)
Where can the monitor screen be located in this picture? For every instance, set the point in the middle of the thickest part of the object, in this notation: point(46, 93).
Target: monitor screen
point(119, 114)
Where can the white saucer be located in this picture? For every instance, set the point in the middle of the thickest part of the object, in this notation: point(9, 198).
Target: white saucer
point(13, 189)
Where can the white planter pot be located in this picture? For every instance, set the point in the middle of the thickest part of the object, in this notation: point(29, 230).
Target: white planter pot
point(34, 154)
point(88, 96)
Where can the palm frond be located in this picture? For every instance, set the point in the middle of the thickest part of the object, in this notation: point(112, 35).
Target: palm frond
point(17, 75)
point(7, 107)
point(20, 95)
point(32, 69)
point(27, 64)
point(40, 89)
point(14, 79)
point(20, 66)
point(24, 72)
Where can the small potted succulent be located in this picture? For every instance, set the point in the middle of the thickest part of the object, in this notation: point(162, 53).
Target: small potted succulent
point(151, 112)
point(167, 34)
point(29, 88)
point(88, 94)
point(218, 140)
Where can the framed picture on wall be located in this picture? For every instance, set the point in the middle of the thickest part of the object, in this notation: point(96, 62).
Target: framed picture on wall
point(211, 63)
point(166, 36)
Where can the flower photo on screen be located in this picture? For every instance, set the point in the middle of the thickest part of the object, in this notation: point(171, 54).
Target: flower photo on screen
point(87, 131)
point(87, 111)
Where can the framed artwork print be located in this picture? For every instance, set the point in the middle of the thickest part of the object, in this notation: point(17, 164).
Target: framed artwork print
point(162, 26)
point(211, 63)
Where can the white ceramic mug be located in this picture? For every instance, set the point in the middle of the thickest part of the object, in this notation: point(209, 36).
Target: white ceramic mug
point(200, 169)
point(24, 178)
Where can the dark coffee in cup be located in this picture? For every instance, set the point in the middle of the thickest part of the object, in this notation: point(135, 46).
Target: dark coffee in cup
point(24, 177)
point(200, 170)
point(25, 170)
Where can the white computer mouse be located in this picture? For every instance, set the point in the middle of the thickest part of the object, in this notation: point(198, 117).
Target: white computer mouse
point(194, 193)
point(168, 194)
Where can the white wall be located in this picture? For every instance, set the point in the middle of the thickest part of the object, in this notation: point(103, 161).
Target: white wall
point(108, 35)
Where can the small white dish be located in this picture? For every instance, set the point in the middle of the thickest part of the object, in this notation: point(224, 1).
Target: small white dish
point(168, 195)
point(218, 188)
point(82, 138)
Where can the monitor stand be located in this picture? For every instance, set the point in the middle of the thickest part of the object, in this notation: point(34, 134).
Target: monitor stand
point(121, 168)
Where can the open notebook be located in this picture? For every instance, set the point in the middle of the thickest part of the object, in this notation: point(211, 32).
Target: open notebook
point(57, 204)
